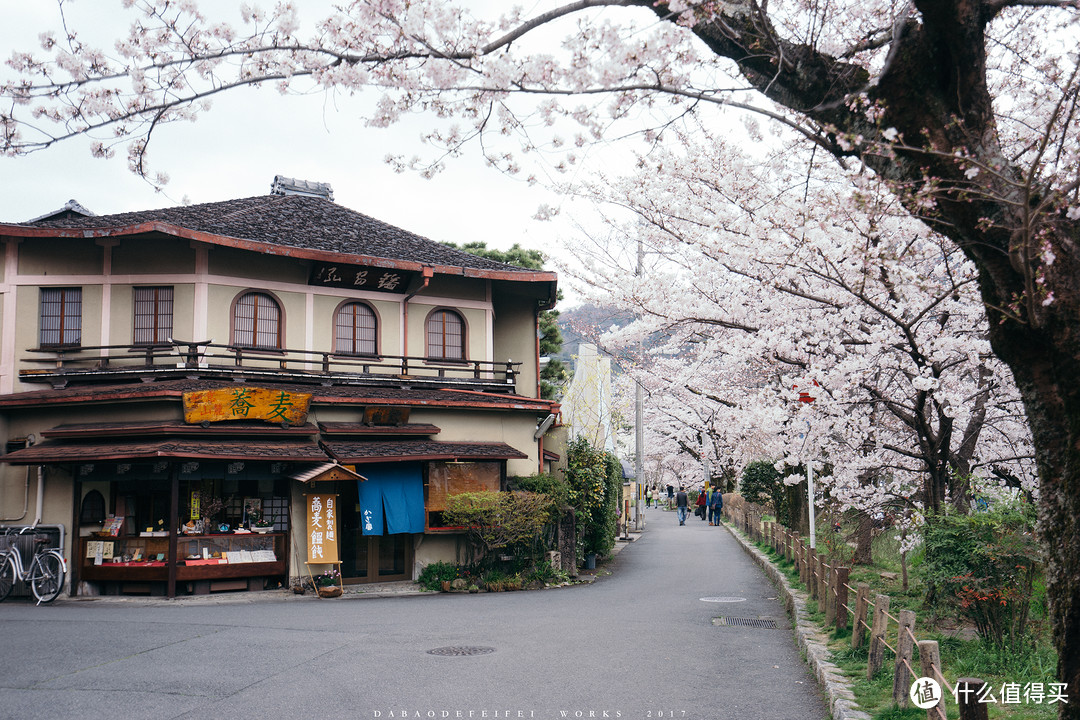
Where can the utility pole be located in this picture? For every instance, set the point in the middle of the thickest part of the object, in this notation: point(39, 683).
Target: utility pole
point(639, 430)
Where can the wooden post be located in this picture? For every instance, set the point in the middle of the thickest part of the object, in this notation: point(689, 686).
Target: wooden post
point(902, 677)
point(862, 602)
point(967, 691)
point(822, 584)
point(929, 660)
point(842, 577)
point(877, 636)
point(830, 595)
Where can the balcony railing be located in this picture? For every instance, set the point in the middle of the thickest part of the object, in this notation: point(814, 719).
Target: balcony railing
point(61, 365)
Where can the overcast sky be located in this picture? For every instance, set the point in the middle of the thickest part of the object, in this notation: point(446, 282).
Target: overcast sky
point(248, 137)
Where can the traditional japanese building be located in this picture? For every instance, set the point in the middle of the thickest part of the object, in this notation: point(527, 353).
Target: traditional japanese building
point(167, 377)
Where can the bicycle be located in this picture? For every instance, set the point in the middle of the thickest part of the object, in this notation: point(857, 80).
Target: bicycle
point(45, 573)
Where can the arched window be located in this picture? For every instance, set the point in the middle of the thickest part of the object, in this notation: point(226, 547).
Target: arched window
point(257, 321)
point(445, 335)
point(355, 330)
point(93, 508)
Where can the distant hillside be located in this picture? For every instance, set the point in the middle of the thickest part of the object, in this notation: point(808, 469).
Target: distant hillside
point(584, 323)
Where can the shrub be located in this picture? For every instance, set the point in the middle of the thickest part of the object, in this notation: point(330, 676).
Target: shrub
point(595, 481)
point(984, 564)
point(434, 574)
point(498, 520)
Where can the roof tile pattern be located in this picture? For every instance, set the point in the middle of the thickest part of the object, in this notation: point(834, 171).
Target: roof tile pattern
point(294, 221)
point(373, 451)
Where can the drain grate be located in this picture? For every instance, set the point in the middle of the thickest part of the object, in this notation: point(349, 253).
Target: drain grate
point(723, 599)
point(745, 622)
point(461, 651)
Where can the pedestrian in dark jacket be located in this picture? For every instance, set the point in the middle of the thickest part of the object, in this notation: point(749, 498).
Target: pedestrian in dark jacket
point(716, 505)
point(682, 504)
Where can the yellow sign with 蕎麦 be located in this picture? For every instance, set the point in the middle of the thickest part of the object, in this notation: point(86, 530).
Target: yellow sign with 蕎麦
point(246, 403)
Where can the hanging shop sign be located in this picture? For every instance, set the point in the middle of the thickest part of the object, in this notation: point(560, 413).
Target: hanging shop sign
point(360, 277)
point(322, 528)
point(246, 403)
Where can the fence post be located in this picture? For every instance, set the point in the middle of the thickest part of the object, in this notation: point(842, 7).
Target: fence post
point(929, 661)
point(877, 636)
point(858, 624)
point(830, 595)
point(842, 576)
point(822, 584)
point(902, 677)
point(970, 707)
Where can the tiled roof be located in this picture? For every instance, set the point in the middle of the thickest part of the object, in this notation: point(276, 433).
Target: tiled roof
point(350, 428)
point(379, 450)
point(293, 221)
point(336, 394)
point(71, 452)
point(162, 427)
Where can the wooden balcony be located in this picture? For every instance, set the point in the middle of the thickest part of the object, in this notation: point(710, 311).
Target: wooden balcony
point(60, 366)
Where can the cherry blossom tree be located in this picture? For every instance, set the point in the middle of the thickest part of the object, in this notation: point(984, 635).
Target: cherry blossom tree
point(968, 109)
point(762, 280)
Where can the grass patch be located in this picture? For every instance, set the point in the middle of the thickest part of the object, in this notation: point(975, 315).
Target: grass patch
point(1034, 662)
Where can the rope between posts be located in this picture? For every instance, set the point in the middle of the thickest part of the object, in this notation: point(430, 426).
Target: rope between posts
point(911, 635)
point(850, 588)
point(945, 682)
point(895, 620)
point(888, 646)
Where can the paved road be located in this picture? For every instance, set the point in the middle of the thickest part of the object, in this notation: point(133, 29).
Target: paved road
point(638, 643)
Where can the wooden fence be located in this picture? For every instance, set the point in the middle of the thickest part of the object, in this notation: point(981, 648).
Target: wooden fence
point(827, 583)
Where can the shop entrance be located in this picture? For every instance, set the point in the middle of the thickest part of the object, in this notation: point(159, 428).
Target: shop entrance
point(369, 558)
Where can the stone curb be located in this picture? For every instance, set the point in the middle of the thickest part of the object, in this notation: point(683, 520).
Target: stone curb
point(812, 642)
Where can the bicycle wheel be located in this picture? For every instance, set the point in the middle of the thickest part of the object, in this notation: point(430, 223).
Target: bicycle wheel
point(7, 576)
point(47, 576)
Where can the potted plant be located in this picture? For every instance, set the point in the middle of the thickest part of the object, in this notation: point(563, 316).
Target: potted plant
point(328, 584)
point(258, 522)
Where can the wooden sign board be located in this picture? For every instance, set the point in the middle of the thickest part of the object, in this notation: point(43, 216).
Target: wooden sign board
point(360, 277)
point(246, 403)
point(322, 526)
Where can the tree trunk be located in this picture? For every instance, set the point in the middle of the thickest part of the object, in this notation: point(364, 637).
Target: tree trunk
point(864, 538)
point(1049, 382)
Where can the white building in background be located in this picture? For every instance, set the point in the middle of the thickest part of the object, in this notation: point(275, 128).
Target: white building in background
point(587, 404)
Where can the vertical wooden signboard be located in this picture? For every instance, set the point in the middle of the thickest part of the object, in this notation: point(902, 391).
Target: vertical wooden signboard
point(322, 529)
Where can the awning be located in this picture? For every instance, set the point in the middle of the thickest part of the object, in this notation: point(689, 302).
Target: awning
point(52, 453)
point(327, 472)
point(355, 453)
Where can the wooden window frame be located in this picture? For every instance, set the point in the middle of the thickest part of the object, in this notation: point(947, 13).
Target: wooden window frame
point(67, 296)
point(345, 306)
point(254, 332)
point(439, 313)
point(160, 311)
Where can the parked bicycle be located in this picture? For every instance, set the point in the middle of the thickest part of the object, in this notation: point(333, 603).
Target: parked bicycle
point(45, 573)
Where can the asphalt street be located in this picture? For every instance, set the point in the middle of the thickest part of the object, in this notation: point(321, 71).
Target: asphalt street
point(642, 641)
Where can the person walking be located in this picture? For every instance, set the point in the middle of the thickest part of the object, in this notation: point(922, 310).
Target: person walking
point(670, 496)
point(648, 497)
point(682, 504)
point(700, 511)
point(716, 505)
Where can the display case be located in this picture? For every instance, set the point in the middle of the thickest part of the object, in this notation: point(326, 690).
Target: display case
point(205, 563)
